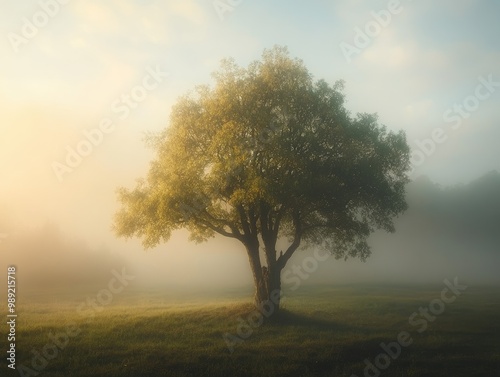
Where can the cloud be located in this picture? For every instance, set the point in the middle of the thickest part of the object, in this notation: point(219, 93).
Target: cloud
point(98, 17)
point(190, 10)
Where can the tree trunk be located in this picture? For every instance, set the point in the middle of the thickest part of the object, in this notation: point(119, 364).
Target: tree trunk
point(267, 282)
point(267, 279)
point(268, 292)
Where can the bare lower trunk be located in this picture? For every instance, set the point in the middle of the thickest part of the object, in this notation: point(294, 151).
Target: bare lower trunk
point(268, 293)
point(269, 287)
point(267, 282)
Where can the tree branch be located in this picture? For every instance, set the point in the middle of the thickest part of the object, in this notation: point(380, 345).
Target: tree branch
point(221, 231)
point(225, 223)
point(244, 220)
point(283, 259)
point(277, 222)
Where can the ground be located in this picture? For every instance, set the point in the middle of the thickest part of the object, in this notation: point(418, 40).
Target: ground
point(325, 331)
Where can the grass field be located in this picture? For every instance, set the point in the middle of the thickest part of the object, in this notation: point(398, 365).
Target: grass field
point(325, 331)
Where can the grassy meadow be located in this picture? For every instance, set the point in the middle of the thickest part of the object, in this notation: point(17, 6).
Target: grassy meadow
point(325, 331)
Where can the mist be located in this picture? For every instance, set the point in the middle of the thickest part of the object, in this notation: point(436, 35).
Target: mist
point(64, 82)
point(447, 232)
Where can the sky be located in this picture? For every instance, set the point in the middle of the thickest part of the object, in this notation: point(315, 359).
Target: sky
point(110, 71)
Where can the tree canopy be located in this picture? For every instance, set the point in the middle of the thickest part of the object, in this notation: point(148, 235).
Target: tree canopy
point(267, 153)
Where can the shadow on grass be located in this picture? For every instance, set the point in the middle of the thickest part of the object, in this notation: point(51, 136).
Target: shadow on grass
point(315, 321)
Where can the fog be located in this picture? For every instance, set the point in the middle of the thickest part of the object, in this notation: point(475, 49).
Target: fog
point(66, 80)
point(447, 232)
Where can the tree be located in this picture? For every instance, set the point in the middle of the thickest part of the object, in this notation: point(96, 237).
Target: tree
point(269, 154)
